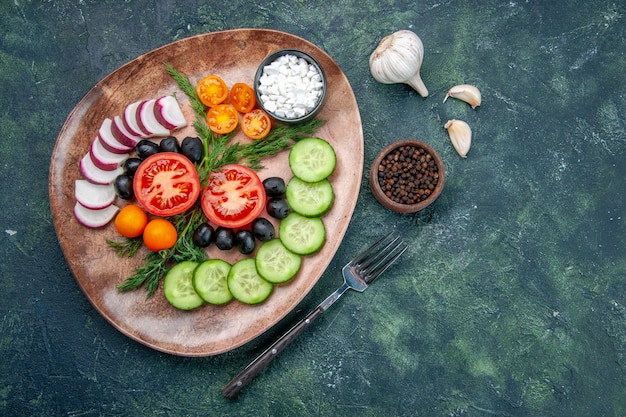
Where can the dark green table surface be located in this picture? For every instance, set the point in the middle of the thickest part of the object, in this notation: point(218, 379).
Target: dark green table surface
point(511, 300)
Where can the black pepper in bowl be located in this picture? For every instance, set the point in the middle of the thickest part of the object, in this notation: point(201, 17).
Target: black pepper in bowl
point(407, 176)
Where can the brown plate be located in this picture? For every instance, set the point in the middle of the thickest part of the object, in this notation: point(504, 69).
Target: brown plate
point(208, 330)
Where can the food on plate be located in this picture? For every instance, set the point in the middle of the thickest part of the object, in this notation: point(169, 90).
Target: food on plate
point(178, 286)
point(234, 196)
point(310, 199)
point(104, 158)
point(159, 234)
point(263, 229)
point(274, 186)
point(131, 221)
point(210, 281)
point(93, 196)
point(290, 87)
point(94, 218)
point(123, 185)
point(256, 124)
point(245, 283)
point(212, 90)
point(166, 184)
point(245, 241)
point(275, 263)
point(95, 174)
point(278, 208)
point(302, 235)
point(222, 118)
point(203, 235)
point(242, 97)
point(312, 159)
point(192, 148)
point(398, 59)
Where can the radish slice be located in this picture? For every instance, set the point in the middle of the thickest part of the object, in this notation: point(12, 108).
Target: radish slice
point(130, 120)
point(109, 141)
point(168, 113)
point(147, 121)
point(103, 158)
point(95, 218)
point(96, 175)
point(93, 196)
point(122, 134)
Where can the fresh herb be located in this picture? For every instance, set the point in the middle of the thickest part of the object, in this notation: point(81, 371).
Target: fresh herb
point(158, 263)
point(219, 150)
point(127, 247)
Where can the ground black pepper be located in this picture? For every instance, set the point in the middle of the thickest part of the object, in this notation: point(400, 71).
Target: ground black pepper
point(408, 175)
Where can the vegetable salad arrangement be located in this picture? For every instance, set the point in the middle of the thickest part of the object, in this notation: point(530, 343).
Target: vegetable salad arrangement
point(183, 196)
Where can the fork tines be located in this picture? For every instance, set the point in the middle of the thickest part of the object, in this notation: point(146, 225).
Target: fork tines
point(378, 257)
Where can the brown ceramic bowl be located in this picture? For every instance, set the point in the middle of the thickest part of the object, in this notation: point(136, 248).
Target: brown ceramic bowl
point(418, 192)
point(277, 113)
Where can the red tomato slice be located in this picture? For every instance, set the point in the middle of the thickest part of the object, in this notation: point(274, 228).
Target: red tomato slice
point(233, 197)
point(242, 97)
point(256, 124)
point(166, 184)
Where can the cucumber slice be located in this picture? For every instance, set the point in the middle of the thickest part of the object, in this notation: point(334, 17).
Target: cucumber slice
point(275, 263)
point(311, 199)
point(302, 235)
point(312, 159)
point(178, 286)
point(210, 281)
point(245, 283)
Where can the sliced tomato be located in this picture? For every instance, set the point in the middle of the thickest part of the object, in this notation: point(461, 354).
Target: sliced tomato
point(166, 184)
point(242, 97)
point(256, 124)
point(222, 118)
point(233, 197)
point(212, 90)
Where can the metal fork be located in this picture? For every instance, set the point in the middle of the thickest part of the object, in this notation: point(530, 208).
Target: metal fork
point(357, 275)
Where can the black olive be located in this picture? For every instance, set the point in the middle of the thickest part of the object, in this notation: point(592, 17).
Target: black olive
point(131, 165)
point(278, 208)
point(203, 235)
point(274, 186)
point(245, 241)
point(169, 144)
point(192, 148)
point(263, 229)
point(145, 148)
point(124, 187)
point(224, 238)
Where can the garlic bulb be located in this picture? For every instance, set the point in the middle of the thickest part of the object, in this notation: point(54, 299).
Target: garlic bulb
point(398, 59)
point(468, 93)
point(460, 135)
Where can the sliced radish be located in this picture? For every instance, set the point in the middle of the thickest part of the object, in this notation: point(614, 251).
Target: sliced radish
point(96, 175)
point(168, 113)
point(130, 120)
point(95, 218)
point(122, 134)
point(93, 196)
point(103, 158)
point(147, 121)
point(109, 141)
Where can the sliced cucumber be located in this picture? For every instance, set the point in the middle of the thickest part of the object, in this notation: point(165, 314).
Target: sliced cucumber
point(210, 281)
point(275, 263)
point(302, 235)
point(178, 286)
point(311, 199)
point(245, 283)
point(312, 159)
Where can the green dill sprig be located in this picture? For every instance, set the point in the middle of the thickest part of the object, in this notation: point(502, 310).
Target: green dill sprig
point(188, 88)
point(127, 247)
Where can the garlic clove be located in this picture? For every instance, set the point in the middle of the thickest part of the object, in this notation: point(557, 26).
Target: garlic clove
point(398, 59)
point(460, 135)
point(466, 92)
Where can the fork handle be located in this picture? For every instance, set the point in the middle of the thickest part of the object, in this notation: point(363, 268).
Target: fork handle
point(256, 366)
